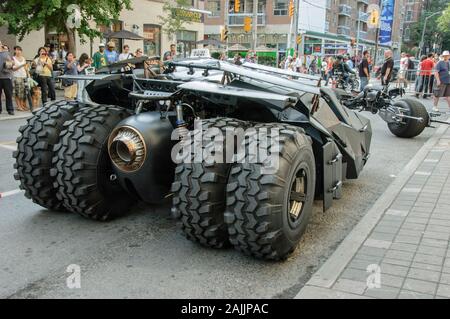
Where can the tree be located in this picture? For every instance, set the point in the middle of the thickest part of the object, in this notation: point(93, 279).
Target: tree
point(433, 33)
point(444, 21)
point(63, 16)
point(173, 19)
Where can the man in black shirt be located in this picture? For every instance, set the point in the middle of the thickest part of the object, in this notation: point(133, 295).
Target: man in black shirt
point(386, 69)
point(363, 70)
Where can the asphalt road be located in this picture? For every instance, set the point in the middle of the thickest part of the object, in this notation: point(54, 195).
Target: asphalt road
point(144, 254)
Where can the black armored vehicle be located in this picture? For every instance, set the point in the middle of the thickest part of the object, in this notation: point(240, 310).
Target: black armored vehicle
point(242, 151)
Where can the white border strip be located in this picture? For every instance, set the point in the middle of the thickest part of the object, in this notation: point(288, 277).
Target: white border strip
point(11, 193)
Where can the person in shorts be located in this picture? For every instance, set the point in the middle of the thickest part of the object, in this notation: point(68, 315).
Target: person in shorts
point(442, 79)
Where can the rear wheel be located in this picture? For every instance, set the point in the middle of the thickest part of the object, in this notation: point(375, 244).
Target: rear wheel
point(200, 188)
point(409, 128)
point(83, 171)
point(35, 152)
point(268, 211)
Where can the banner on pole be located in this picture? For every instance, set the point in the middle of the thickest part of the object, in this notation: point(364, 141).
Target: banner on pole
point(386, 20)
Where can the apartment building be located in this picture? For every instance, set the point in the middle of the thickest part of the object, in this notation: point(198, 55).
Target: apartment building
point(143, 20)
point(273, 22)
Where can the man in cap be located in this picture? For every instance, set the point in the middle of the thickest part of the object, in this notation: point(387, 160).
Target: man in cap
point(442, 80)
point(99, 58)
point(111, 55)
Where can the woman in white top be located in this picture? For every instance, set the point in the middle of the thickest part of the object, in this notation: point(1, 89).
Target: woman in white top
point(20, 77)
point(126, 54)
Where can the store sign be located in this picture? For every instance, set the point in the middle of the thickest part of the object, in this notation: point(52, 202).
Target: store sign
point(187, 15)
point(387, 18)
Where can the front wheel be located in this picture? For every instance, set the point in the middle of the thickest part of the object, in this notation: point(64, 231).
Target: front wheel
point(409, 128)
point(268, 210)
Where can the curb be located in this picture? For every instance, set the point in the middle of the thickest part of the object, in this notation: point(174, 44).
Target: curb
point(16, 117)
point(320, 283)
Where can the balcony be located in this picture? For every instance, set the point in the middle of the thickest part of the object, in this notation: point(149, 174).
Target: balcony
point(362, 34)
point(363, 16)
point(343, 30)
point(364, 1)
point(345, 10)
point(237, 19)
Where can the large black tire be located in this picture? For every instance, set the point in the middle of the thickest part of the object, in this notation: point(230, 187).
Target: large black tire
point(258, 213)
point(83, 168)
point(410, 128)
point(35, 152)
point(199, 192)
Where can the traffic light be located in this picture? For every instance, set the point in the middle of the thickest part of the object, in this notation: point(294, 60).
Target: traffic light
point(291, 8)
point(299, 39)
point(223, 33)
point(374, 17)
point(237, 5)
point(247, 24)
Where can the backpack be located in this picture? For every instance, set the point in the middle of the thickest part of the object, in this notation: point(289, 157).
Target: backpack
point(410, 64)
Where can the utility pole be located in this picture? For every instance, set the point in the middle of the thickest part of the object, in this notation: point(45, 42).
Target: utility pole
point(296, 19)
point(380, 3)
point(255, 25)
point(422, 44)
point(227, 8)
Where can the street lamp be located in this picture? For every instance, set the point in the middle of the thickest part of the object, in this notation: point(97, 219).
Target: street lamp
point(422, 44)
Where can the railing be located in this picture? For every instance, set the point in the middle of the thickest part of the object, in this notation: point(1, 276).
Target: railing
point(343, 30)
point(362, 34)
point(363, 16)
point(237, 19)
point(345, 10)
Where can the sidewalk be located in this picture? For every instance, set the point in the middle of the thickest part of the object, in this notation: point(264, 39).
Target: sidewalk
point(400, 249)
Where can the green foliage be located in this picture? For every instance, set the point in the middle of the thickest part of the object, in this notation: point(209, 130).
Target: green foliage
point(215, 55)
point(171, 22)
point(436, 32)
point(24, 16)
point(444, 21)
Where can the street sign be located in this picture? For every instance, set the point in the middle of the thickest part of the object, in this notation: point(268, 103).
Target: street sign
point(374, 16)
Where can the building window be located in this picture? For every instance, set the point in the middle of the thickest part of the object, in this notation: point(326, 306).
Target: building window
point(152, 40)
point(408, 15)
point(280, 8)
point(328, 5)
point(407, 34)
point(214, 7)
point(186, 42)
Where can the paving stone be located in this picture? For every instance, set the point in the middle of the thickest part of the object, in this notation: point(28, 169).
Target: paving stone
point(410, 232)
point(399, 254)
point(445, 279)
point(382, 237)
point(384, 292)
point(352, 286)
point(395, 270)
point(372, 251)
point(434, 242)
point(396, 212)
point(428, 259)
point(416, 264)
point(398, 262)
point(438, 228)
point(413, 226)
point(443, 291)
point(422, 286)
point(407, 239)
point(423, 274)
point(416, 220)
point(407, 294)
point(371, 259)
point(447, 262)
point(354, 274)
point(387, 230)
point(391, 280)
point(439, 222)
point(404, 247)
point(429, 250)
point(436, 235)
point(362, 264)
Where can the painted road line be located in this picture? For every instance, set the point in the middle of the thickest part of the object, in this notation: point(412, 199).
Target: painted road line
point(11, 193)
point(12, 146)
